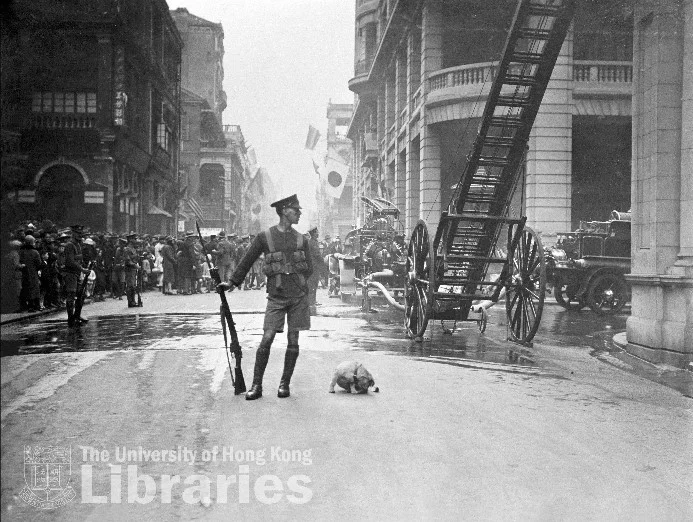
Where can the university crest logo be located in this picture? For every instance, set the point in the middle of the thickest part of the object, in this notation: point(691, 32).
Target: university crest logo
point(47, 472)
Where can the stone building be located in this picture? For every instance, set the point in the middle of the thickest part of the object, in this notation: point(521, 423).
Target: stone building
point(660, 328)
point(422, 72)
point(215, 169)
point(335, 194)
point(90, 114)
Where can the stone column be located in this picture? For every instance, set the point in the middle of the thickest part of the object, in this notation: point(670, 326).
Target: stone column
point(412, 187)
point(429, 143)
point(660, 328)
point(430, 189)
point(400, 183)
point(549, 158)
point(686, 198)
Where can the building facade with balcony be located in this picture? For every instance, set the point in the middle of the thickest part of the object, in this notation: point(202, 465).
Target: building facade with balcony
point(423, 69)
point(214, 164)
point(335, 194)
point(90, 114)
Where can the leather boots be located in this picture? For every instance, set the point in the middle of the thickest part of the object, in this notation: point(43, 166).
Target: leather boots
point(289, 365)
point(261, 359)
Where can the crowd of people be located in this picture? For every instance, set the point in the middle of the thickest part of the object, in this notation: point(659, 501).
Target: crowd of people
point(34, 272)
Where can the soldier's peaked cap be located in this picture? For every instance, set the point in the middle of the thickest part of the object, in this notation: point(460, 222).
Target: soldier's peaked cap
point(291, 201)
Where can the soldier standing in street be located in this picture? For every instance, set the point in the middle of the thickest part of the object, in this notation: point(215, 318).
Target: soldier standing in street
point(287, 266)
point(73, 269)
point(224, 256)
point(131, 265)
point(317, 262)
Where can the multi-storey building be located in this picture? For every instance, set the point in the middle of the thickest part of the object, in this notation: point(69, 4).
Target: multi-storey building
point(422, 71)
point(214, 164)
point(660, 327)
point(336, 190)
point(91, 102)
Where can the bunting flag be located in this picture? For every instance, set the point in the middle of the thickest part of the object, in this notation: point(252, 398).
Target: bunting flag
point(312, 138)
point(337, 172)
point(316, 167)
point(195, 207)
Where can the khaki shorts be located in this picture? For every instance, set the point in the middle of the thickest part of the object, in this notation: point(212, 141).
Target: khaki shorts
point(295, 308)
point(71, 281)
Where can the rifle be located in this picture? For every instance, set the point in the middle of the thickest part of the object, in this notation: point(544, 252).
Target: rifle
point(227, 320)
point(138, 284)
point(82, 291)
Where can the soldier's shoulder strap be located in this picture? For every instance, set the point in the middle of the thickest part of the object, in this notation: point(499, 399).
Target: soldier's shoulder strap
point(270, 241)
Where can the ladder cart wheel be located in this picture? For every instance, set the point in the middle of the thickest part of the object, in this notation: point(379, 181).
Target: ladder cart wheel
point(524, 300)
point(419, 282)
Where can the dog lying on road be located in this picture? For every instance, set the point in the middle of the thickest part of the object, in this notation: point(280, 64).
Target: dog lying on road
point(352, 373)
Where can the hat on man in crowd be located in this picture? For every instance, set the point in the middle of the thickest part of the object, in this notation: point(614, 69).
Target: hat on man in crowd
point(190, 234)
point(79, 229)
point(65, 233)
point(29, 239)
point(327, 236)
point(337, 238)
point(290, 202)
point(89, 241)
point(245, 237)
point(131, 237)
point(222, 233)
point(233, 235)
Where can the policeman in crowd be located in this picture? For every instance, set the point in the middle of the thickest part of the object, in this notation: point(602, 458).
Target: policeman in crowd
point(131, 267)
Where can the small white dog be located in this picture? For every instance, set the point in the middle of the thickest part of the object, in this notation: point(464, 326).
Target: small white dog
point(352, 373)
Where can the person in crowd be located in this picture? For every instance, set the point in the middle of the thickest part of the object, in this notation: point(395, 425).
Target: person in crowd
point(287, 266)
point(187, 264)
point(131, 265)
point(12, 274)
point(100, 284)
point(169, 260)
point(158, 269)
point(316, 259)
point(225, 256)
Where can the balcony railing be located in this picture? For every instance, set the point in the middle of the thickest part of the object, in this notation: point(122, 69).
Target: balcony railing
point(603, 72)
point(63, 121)
point(472, 74)
point(363, 66)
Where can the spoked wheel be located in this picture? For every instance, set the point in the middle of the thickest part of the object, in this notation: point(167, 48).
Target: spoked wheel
point(524, 300)
point(418, 283)
point(607, 294)
point(565, 295)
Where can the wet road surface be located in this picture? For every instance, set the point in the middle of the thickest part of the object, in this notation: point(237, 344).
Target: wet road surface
point(456, 428)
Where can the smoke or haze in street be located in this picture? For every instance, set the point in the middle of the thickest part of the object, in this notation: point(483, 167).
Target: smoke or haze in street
point(283, 62)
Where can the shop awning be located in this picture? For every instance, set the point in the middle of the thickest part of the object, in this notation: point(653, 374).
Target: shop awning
point(156, 211)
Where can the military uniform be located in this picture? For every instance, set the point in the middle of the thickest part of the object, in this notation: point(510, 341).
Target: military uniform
point(72, 269)
point(131, 265)
point(287, 265)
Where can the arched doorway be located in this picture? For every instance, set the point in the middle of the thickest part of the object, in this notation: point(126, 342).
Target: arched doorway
point(60, 195)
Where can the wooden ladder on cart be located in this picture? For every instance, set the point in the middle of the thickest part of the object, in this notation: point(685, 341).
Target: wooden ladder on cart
point(448, 273)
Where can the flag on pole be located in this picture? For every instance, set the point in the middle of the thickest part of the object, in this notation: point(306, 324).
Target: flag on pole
point(312, 138)
point(337, 172)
